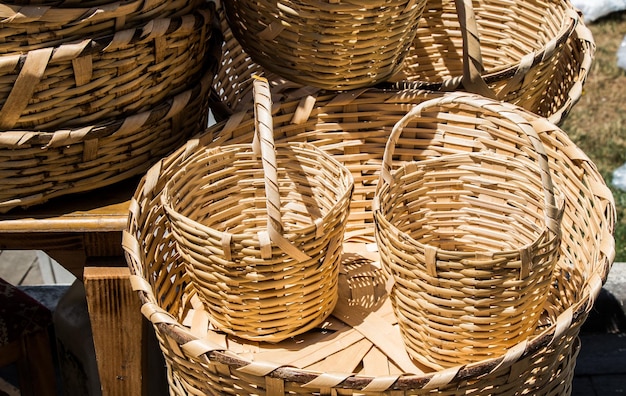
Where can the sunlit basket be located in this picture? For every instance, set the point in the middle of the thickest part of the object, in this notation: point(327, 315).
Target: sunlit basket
point(336, 44)
point(261, 229)
point(27, 25)
point(40, 165)
point(350, 359)
point(232, 89)
point(470, 240)
point(506, 50)
point(82, 82)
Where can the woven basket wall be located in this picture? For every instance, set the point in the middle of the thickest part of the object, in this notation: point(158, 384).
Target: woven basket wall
point(559, 95)
point(506, 50)
point(40, 165)
point(200, 362)
point(30, 25)
point(327, 44)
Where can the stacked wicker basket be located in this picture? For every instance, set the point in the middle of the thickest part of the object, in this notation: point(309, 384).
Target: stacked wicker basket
point(95, 92)
point(496, 225)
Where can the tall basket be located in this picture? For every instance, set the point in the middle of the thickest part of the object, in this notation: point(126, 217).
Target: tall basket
point(260, 228)
point(328, 44)
point(470, 240)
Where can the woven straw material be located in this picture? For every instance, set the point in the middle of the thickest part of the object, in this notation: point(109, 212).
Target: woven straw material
point(507, 50)
point(201, 360)
point(328, 44)
point(84, 82)
point(232, 90)
point(261, 234)
point(30, 25)
point(38, 166)
point(469, 239)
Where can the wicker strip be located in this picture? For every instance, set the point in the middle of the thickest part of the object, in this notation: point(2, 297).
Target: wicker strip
point(260, 229)
point(541, 365)
point(470, 240)
point(37, 166)
point(332, 45)
point(114, 76)
point(27, 26)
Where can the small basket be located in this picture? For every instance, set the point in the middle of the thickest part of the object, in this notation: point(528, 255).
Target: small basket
point(470, 240)
point(261, 235)
point(75, 84)
point(29, 25)
point(41, 165)
point(327, 44)
point(201, 360)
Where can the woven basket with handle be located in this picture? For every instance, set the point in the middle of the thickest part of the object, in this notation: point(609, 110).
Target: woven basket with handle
point(354, 350)
point(260, 228)
point(470, 240)
point(506, 50)
point(78, 83)
point(30, 25)
point(332, 44)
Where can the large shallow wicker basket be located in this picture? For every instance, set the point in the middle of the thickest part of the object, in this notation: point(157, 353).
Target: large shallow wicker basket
point(30, 25)
point(260, 228)
point(40, 165)
point(201, 360)
point(470, 240)
point(78, 83)
point(341, 44)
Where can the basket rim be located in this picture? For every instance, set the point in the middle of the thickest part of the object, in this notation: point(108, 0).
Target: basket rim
point(347, 177)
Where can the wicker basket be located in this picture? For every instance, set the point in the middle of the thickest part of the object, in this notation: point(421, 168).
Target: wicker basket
point(261, 230)
point(41, 165)
point(232, 90)
point(507, 50)
point(327, 44)
point(470, 239)
point(79, 83)
point(201, 360)
point(30, 25)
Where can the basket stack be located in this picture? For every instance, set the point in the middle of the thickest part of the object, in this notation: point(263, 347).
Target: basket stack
point(94, 93)
point(356, 349)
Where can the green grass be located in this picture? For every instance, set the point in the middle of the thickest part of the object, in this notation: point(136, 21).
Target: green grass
point(597, 123)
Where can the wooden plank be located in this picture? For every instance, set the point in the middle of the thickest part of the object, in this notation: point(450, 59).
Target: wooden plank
point(118, 330)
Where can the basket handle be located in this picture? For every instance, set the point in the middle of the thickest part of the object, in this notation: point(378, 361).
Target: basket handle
point(263, 145)
point(552, 212)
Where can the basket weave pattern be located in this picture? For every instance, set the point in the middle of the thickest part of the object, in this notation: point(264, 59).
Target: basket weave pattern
point(223, 222)
point(327, 44)
point(469, 239)
point(84, 82)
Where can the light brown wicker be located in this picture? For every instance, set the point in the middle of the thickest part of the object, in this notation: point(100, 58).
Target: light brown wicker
point(30, 25)
point(470, 240)
point(79, 83)
point(344, 359)
point(40, 165)
point(338, 44)
point(501, 49)
point(232, 88)
point(260, 229)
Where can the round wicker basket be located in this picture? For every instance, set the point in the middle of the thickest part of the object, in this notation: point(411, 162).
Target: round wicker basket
point(332, 44)
point(360, 334)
